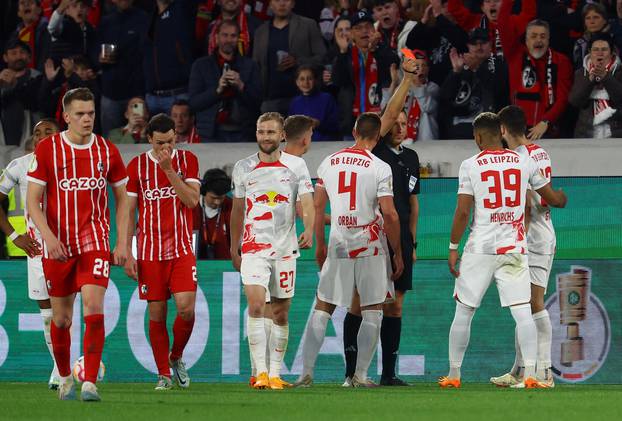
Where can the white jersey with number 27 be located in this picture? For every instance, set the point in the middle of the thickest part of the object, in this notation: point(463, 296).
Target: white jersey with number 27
point(498, 181)
point(354, 180)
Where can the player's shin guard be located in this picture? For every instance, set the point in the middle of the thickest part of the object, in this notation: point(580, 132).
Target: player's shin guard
point(527, 337)
point(158, 335)
point(61, 343)
point(94, 336)
point(313, 340)
point(182, 329)
point(351, 325)
point(367, 340)
point(545, 337)
point(278, 345)
point(459, 335)
point(46, 316)
point(257, 342)
point(390, 333)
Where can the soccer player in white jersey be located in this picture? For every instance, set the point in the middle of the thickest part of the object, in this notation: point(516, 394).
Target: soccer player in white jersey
point(494, 185)
point(266, 186)
point(14, 176)
point(73, 169)
point(540, 245)
point(164, 187)
point(358, 186)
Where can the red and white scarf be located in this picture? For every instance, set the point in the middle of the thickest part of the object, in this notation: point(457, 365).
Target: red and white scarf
point(414, 115)
point(371, 89)
point(600, 96)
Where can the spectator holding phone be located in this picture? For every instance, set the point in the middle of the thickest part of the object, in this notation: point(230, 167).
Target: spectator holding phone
point(137, 117)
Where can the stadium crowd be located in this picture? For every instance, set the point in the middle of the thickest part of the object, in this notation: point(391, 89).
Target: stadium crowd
point(215, 65)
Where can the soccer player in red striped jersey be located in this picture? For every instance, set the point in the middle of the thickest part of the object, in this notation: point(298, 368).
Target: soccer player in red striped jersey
point(73, 170)
point(164, 187)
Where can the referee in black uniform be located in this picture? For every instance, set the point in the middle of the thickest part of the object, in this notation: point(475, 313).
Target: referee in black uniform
point(404, 165)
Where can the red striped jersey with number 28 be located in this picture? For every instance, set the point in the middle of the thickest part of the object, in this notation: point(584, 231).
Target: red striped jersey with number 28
point(76, 196)
point(164, 228)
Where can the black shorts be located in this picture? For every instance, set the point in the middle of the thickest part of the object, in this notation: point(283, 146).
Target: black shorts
point(405, 282)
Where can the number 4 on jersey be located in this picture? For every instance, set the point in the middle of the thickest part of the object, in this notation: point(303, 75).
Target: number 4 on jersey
point(348, 188)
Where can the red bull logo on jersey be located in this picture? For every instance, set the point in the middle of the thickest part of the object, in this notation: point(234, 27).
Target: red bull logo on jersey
point(162, 193)
point(271, 198)
point(82, 183)
point(249, 244)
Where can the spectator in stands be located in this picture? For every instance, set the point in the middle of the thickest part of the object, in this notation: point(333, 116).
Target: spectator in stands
point(225, 90)
point(33, 30)
point(597, 91)
point(361, 72)
point(248, 24)
point(281, 45)
point(19, 86)
point(71, 33)
point(489, 19)
point(388, 25)
point(565, 21)
point(121, 69)
point(137, 116)
point(211, 217)
point(182, 115)
point(616, 25)
point(477, 83)
point(331, 14)
point(343, 31)
point(314, 103)
point(594, 22)
point(167, 53)
point(540, 78)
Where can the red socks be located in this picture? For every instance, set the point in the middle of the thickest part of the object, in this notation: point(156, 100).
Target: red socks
point(94, 336)
point(159, 345)
point(61, 345)
point(181, 334)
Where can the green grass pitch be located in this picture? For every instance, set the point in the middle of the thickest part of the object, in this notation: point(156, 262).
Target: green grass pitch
point(138, 401)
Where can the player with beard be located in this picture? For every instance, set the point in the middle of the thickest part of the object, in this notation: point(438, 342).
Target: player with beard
point(266, 187)
point(540, 78)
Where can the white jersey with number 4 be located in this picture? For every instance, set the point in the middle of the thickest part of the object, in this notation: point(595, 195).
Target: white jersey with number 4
point(354, 179)
point(541, 234)
point(498, 181)
point(15, 176)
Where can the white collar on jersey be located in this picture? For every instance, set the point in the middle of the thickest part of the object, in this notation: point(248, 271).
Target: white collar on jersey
point(154, 159)
point(397, 150)
point(63, 136)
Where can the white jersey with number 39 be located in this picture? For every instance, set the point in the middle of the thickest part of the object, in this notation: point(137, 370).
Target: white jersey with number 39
point(498, 181)
point(354, 179)
point(541, 234)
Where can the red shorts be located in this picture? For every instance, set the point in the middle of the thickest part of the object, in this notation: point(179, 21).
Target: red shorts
point(66, 278)
point(157, 280)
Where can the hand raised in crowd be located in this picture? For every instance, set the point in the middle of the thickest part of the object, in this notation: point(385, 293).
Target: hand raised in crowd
point(598, 72)
point(30, 246)
point(136, 122)
point(427, 15)
point(7, 77)
point(457, 60)
point(374, 40)
point(223, 84)
point(537, 131)
point(67, 65)
point(437, 7)
point(233, 79)
point(342, 41)
point(64, 5)
point(287, 63)
point(50, 71)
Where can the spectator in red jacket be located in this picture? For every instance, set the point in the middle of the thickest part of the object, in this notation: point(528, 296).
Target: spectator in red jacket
point(489, 19)
point(540, 78)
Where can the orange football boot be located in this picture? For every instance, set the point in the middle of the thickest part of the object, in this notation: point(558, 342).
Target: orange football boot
point(262, 381)
point(277, 383)
point(447, 383)
point(251, 381)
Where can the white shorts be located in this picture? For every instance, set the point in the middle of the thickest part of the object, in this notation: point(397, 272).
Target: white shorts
point(477, 271)
point(339, 278)
point(278, 277)
point(37, 288)
point(540, 269)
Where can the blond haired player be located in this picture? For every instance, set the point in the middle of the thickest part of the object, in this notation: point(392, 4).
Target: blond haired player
point(266, 187)
point(494, 185)
point(541, 246)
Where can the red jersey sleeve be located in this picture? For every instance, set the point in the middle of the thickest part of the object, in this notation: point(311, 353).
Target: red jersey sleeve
point(133, 184)
point(39, 169)
point(117, 175)
point(192, 168)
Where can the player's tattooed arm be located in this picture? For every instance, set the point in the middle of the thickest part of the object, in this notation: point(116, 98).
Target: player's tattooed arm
point(55, 249)
point(320, 199)
point(392, 228)
point(461, 220)
point(555, 198)
point(188, 193)
point(120, 252)
point(235, 224)
point(131, 268)
point(308, 219)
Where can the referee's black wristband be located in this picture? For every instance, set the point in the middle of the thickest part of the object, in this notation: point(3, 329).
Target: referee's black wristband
point(415, 245)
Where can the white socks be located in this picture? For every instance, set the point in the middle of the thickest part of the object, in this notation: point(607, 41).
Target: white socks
point(314, 337)
point(545, 337)
point(526, 334)
point(367, 340)
point(519, 364)
point(257, 343)
point(278, 345)
point(459, 335)
point(268, 328)
point(46, 316)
